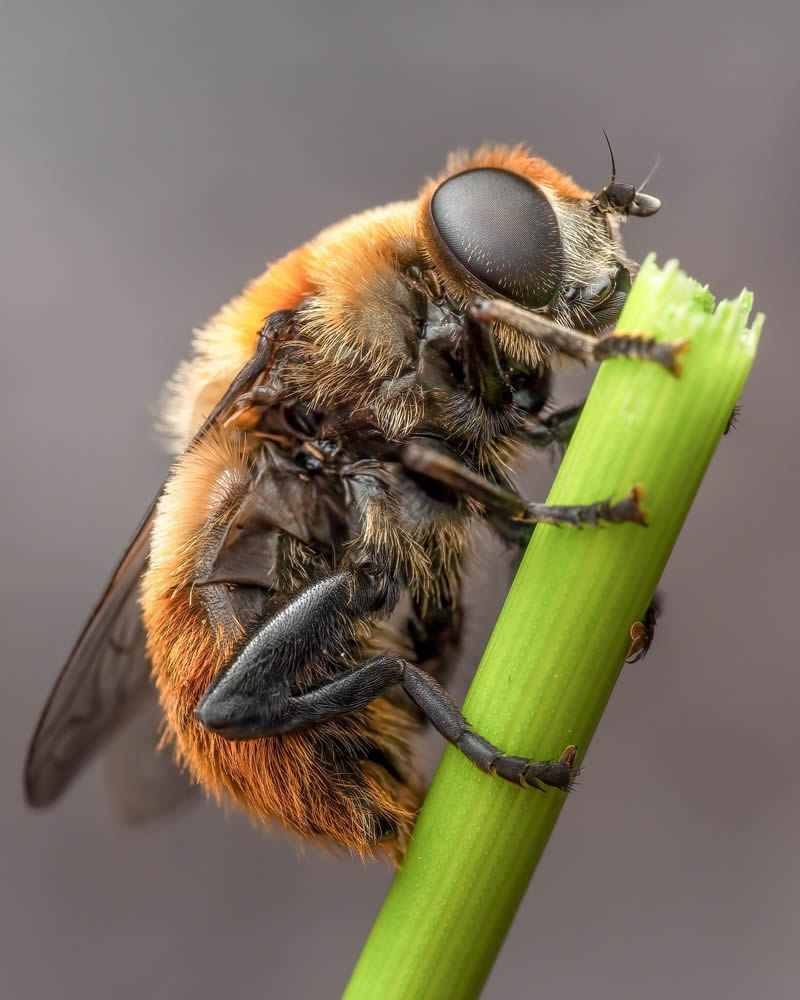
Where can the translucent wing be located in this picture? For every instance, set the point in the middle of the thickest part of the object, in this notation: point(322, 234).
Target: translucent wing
point(107, 675)
point(103, 681)
point(145, 782)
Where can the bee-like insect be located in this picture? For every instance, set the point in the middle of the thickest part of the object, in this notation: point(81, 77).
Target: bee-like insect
point(341, 422)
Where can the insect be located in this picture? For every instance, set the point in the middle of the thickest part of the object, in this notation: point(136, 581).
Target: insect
point(293, 593)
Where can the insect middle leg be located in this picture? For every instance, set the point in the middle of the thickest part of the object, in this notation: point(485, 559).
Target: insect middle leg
point(504, 505)
point(514, 518)
point(252, 697)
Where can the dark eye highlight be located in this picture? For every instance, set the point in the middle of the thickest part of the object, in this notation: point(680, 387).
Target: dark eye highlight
point(502, 229)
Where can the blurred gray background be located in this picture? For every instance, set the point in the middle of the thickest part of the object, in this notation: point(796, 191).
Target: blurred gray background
point(155, 155)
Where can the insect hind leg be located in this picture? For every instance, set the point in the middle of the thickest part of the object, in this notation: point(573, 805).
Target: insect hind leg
point(448, 720)
point(357, 688)
point(253, 697)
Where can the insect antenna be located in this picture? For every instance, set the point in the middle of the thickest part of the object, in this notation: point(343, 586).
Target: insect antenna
point(649, 177)
point(613, 162)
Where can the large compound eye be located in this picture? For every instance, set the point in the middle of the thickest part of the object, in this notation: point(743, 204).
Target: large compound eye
point(502, 229)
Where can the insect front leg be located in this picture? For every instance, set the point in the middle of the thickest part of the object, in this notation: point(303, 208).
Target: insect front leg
point(483, 374)
point(580, 345)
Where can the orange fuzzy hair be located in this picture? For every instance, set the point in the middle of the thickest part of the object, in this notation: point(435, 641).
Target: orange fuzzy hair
point(344, 285)
point(279, 777)
point(282, 777)
point(225, 344)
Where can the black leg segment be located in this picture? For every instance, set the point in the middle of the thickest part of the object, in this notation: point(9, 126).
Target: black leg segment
point(643, 632)
point(557, 428)
point(503, 504)
point(258, 715)
point(274, 326)
point(447, 719)
point(255, 689)
point(483, 375)
point(580, 345)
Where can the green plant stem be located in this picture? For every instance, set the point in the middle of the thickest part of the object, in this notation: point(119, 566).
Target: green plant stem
point(559, 643)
